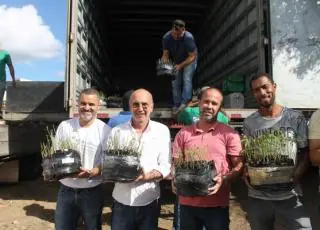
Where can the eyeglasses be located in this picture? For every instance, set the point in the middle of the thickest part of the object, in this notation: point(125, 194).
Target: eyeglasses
point(137, 105)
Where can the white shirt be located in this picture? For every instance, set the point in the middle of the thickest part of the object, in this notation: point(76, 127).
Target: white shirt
point(155, 154)
point(90, 142)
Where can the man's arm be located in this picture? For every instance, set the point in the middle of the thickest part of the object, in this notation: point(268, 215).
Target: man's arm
point(314, 151)
point(314, 138)
point(191, 57)
point(237, 169)
point(303, 162)
point(165, 56)
point(11, 69)
point(164, 159)
point(165, 49)
point(233, 147)
point(234, 151)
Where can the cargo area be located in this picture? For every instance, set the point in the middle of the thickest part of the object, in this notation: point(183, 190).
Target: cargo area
point(117, 43)
point(114, 45)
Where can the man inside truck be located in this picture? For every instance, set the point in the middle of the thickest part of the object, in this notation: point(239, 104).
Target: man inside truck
point(277, 201)
point(179, 45)
point(5, 59)
point(190, 114)
point(125, 115)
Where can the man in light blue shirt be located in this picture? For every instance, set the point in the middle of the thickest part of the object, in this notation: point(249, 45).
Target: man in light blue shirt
point(125, 115)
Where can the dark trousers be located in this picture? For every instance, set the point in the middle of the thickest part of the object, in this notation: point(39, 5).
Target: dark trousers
point(73, 203)
point(126, 217)
point(196, 218)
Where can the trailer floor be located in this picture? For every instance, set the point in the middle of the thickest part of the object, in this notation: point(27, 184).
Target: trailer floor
point(31, 204)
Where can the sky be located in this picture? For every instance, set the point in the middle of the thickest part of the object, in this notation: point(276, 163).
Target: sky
point(34, 33)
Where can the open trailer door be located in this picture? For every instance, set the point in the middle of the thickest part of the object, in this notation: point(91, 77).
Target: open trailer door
point(295, 40)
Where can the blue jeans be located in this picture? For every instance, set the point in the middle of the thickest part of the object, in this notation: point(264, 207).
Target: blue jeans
point(195, 218)
point(291, 211)
point(184, 77)
point(73, 203)
point(126, 217)
point(176, 215)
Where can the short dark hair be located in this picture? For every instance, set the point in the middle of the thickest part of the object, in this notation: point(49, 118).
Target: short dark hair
point(204, 89)
point(90, 91)
point(256, 77)
point(178, 23)
point(125, 100)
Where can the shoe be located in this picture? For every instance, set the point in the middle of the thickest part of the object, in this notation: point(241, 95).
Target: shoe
point(181, 107)
point(174, 110)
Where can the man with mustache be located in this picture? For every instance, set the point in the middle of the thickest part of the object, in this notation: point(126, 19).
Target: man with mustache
point(223, 147)
point(179, 45)
point(136, 204)
point(276, 202)
point(82, 195)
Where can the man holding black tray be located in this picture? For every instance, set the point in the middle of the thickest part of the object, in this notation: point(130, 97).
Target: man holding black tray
point(82, 194)
point(136, 204)
point(281, 200)
point(214, 142)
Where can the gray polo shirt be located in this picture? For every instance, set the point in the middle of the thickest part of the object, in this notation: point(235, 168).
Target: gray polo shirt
point(293, 124)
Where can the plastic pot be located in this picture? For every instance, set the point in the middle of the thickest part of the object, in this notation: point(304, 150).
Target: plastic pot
point(165, 69)
point(60, 164)
point(123, 169)
point(195, 181)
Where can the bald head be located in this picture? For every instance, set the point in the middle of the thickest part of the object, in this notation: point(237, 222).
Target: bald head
point(141, 106)
point(208, 90)
point(142, 93)
point(210, 104)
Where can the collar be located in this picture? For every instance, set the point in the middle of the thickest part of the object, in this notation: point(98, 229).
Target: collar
point(148, 128)
point(197, 130)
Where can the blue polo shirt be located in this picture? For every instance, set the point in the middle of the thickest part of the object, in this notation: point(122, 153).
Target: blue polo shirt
point(179, 49)
point(122, 117)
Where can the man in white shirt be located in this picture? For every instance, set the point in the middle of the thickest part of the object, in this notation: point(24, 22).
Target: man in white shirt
point(136, 204)
point(82, 195)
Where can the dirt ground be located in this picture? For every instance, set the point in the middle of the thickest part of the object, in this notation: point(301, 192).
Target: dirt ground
point(30, 205)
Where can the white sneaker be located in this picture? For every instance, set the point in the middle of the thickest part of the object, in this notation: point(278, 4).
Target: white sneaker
point(181, 107)
point(174, 110)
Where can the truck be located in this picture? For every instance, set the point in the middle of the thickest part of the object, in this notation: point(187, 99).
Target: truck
point(114, 45)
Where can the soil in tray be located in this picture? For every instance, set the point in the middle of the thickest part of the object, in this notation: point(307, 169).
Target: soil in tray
point(194, 179)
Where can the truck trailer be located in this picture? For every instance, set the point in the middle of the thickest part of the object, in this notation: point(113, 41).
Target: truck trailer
point(113, 45)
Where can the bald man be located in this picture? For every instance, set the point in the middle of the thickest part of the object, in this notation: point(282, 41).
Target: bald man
point(221, 144)
point(136, 204)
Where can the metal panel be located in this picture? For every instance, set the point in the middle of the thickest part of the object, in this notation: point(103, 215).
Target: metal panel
point(35, 97)
point(295, 38)
point(233, 45)
point(88, 64)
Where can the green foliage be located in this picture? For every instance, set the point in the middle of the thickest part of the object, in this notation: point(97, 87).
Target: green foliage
point(192, 158)
point(123, 147)
point(268, 148)
point(51, 144)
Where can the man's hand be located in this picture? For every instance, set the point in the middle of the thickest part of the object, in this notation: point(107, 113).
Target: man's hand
point(219, 181)
point(177, 68)
point(245, 177)
point(164, 60)
point(87, 173)
point(173, 187)
point(150, 176)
